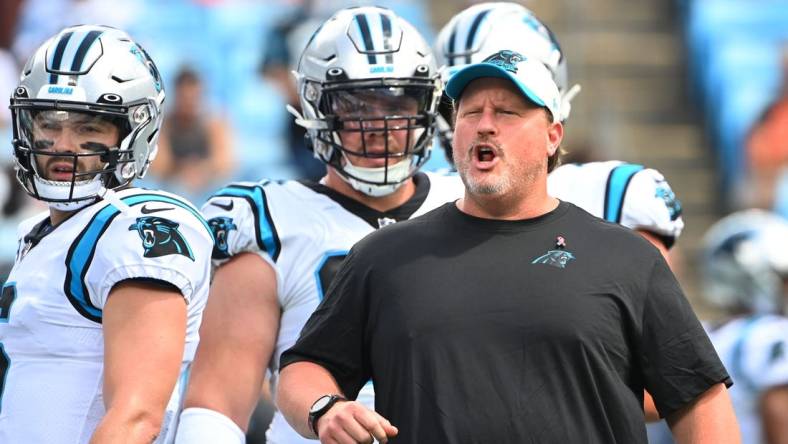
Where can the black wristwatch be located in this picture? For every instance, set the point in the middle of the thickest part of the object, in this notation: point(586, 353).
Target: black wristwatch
point(320, 407)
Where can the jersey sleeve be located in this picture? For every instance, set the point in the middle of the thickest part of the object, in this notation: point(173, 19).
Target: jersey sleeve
point(240, 219)
point(171, 245)
point(678, 360)
point(651, 205)
point(764, 359)
point(333, 337)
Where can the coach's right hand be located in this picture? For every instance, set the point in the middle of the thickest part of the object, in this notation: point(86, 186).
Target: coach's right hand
point(350, 422)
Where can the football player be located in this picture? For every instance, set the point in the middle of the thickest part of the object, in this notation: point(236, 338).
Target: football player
point(100, 314)
point(369, 89)
point(745, 275)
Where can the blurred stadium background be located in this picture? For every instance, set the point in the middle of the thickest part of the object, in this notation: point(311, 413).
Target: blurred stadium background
point(675, 85)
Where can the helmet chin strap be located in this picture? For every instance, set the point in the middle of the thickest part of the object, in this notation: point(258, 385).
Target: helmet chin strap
point(397, 174)
point(56, 193)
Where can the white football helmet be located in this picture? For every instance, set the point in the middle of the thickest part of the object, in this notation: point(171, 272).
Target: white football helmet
point(88, 73)
point(486, 28)
point(745, 262)
point(367, 71)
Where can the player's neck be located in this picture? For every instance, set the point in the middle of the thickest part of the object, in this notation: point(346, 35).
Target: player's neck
point(382, 203)
point(57, 216)
point(507, 207)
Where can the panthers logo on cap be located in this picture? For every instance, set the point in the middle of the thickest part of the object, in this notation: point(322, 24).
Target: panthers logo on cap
point(506, 59)
point(221, 227)
point(555, 258)
point(160, 237)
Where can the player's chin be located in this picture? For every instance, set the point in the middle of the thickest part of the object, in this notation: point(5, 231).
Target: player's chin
point(379, 162)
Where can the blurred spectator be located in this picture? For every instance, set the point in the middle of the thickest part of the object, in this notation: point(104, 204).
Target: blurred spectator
point(15, 206)
point(195, 150)
point(767, 147)
point(40, 19)
point(12, 198)
point(283, 46)
point(9, 71)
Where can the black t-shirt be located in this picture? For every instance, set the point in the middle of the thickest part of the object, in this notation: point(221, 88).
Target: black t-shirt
point(482, 331)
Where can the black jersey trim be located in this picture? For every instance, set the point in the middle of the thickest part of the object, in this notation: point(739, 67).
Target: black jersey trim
point(371, 215)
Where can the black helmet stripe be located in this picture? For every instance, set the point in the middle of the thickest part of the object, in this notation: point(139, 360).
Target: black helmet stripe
point(369, 46)
point(385, 24)
point(450, 49)
point(57, 58)
point(472, 34)
point(87, 42)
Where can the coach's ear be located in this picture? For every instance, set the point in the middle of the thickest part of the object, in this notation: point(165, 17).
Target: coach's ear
point(555, 134)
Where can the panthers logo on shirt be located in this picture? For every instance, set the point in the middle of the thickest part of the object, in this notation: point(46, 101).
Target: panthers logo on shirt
point(160, 237)
point(221, 227)
point(506, 59)
point(555, 258)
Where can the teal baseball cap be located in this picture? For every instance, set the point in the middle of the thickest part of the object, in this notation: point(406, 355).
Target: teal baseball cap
point(530, 76)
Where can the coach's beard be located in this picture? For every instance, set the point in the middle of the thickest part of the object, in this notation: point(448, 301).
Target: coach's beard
point(491, 183)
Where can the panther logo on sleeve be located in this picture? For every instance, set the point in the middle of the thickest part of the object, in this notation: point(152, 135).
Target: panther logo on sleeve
point(160, 237)
point(555, 258)
point(221, 227)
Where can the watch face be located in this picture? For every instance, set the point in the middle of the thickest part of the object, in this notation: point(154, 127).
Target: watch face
point(320, 403)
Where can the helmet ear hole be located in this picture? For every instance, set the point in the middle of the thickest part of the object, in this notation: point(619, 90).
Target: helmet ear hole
point(110, 98)
point(336, 74)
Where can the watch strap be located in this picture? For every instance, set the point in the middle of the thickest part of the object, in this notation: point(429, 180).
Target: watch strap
point(315, 415)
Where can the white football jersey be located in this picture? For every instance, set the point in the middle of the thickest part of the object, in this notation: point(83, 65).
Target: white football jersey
point(51, 341)
point(304, 231)
point(755, 352)
point(631, 195)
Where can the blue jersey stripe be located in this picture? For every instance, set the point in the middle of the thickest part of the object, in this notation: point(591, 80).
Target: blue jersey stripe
point(265, 231)
point(617, 184)
point(81, 253)
point(143, 198)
